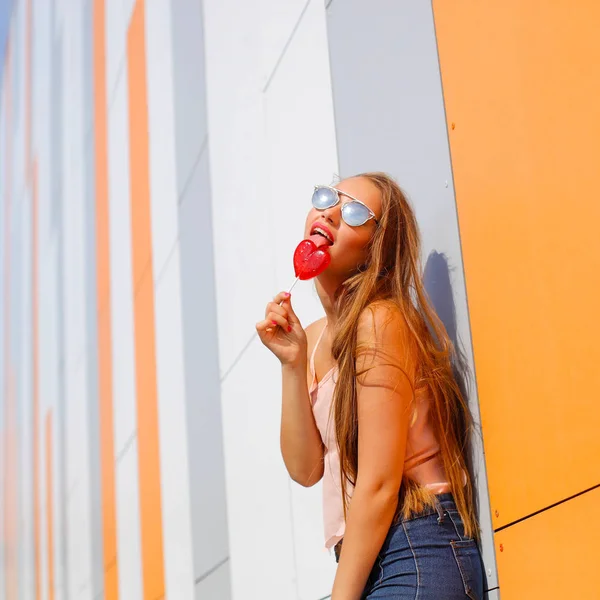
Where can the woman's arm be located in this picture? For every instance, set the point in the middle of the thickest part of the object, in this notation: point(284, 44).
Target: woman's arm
point(384, 396)
point(301, 444)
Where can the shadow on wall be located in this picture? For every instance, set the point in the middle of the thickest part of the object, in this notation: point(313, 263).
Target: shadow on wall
point(436, 278)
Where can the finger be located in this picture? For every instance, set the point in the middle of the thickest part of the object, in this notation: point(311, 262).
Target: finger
point(281, 297)
point(280, 310)
point(277, 319)
point(266, 326)
point(263, 327)
point(291, 315)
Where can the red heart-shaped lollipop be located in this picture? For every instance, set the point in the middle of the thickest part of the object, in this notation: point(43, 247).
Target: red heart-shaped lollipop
point(310, 261)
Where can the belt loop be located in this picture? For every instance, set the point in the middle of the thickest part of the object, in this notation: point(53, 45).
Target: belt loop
point(440, 511)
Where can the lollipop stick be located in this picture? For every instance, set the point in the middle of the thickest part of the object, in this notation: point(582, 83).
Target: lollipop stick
point(293, 284)
point(291, 288)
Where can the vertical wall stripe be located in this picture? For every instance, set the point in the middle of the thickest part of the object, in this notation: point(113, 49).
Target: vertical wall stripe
point(50, 505)
point(9, 489)
point(144, 322)
point(107, 453)
point(3, 428)
point(28, 100)
point(56, 161)
point(31, 174)
point(91, 304)
point(6, 323)
point(198, 305)
point(36, 386)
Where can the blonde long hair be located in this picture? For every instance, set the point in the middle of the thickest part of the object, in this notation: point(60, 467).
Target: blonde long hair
point(392, 274)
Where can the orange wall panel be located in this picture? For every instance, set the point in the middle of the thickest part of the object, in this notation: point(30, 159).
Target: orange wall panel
point(521, 87)
point(105, 358)
point(145, 339)
point(553, 554)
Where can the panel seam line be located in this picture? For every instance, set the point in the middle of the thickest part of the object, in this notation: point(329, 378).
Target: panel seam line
point(285, 48)
point(537, 512)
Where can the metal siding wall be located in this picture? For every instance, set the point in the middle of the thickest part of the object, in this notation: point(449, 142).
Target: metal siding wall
point(389, 114)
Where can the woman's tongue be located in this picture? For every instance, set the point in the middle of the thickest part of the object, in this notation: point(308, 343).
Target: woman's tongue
point(319, 240)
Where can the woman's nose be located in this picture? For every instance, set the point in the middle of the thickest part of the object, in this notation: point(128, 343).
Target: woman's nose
point(332, 213)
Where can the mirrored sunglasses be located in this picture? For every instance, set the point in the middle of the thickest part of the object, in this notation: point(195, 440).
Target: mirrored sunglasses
point(354, 212)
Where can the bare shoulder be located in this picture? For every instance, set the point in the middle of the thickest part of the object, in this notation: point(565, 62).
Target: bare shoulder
point(381, 321)
point(313, 331)
point(384, 340)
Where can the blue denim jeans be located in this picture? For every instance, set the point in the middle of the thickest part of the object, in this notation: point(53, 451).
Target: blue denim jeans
point(427, 557)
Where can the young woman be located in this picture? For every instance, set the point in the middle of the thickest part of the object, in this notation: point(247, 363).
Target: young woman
point(371, 407)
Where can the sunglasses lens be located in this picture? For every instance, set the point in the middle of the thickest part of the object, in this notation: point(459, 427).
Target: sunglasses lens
point(355, 214)
point(324, 198)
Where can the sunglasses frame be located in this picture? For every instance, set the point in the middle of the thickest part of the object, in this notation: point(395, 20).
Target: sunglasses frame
point(340, 192)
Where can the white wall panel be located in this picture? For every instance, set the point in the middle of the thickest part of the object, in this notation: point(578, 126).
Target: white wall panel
point(73, 197)
point(78, 511)
point(215, 586)
point(121, 289)
point(18, 41)
point(258, 489)
point(23, 329)
point(78, 501)
point(236, 125)
point(161, 127)
point(277, 22)
point(116, 44)
point(128, 6)
point(128, 524)
point(48, 381)
point(174, 467)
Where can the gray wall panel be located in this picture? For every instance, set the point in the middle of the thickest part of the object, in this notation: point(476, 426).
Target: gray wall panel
point(206, 460)
point(202, 376)
point(56, 200)
point(91, 291)
point(190, 100)
point(389, 115)
point(215, 585)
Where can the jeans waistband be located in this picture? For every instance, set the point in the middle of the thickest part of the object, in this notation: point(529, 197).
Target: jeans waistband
point(444, 502)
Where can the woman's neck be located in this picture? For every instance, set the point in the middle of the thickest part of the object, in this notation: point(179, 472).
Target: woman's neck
point(326, 288)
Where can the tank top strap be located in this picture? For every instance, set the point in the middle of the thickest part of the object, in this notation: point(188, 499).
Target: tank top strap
point(312, 356)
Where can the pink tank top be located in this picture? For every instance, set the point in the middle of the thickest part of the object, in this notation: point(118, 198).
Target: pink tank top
point(422, 463)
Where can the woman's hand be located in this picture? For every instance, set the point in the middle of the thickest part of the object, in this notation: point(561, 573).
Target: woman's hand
point(281, 331)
